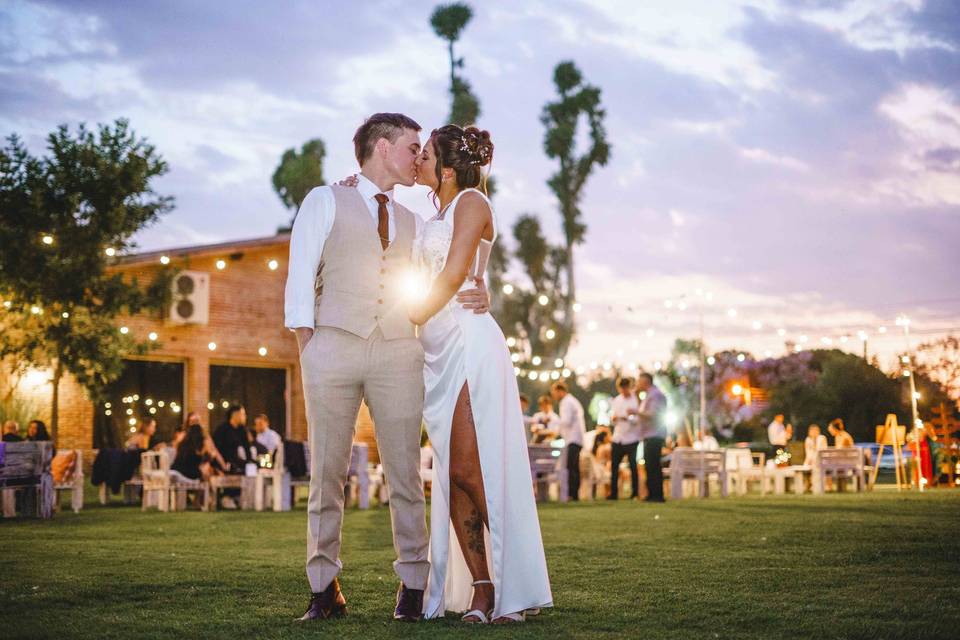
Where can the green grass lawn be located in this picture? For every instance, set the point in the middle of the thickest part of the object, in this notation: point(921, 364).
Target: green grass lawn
point(879, 565)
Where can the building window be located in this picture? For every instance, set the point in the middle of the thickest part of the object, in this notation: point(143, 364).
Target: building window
point(258, 390)
point(144, 390)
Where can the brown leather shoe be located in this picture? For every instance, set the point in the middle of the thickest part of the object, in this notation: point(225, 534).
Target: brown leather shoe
point(409, 604)
point(329, 603)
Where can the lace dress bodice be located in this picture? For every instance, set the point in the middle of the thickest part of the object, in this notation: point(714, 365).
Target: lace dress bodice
point(433, 245)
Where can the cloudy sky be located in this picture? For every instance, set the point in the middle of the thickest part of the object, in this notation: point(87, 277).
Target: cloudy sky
point(798, 159)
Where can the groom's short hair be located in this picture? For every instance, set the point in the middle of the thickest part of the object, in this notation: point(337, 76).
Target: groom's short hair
point(380, 125)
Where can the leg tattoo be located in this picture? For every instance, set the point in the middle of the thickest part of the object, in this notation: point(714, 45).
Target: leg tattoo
point(474, 525)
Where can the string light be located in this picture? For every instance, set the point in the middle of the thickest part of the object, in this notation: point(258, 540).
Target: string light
point(558, 362)
point(882, 330)
point(507, 289)
point(47, 240)
point(511, 342)
point(152, 335)
point(65, 315)
point(711, 361)
point(7, 304)
point(543, 300)
point(781, 332)
point(262, 351)
point(550, 334)
point(741, 357)
point(592, 325)
point(532, 375)
point(110, 251)
point(577, 307)
point(732, 312)
point(164, 259)
point(536, 360)
point(272, 265)
point(515, 357)
point(210, 406)
point(221, 264)
point(35, 310)
point(212, 346)
point(124, 330)
point(757, 325)
point(682, 306)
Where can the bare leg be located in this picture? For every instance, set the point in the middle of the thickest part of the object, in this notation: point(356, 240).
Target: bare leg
point(468, 505)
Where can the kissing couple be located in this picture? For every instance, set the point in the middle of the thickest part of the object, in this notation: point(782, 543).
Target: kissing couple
point(440, 360)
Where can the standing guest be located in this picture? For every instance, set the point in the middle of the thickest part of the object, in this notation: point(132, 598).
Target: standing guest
point(266, 437)
point(545, 423)
point(777, 433)
point(527, 420)
point(626, 438)
point(815, 441)
point(654, 433)
point(841, 439)
point(230, 437)
point(706, 441)
point(141, 439)
point(11, 431)
point(572, 427)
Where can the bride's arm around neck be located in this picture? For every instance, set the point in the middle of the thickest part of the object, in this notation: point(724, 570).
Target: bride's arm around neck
point(473, 217)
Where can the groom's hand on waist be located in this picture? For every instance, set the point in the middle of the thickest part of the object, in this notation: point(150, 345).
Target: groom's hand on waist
point(303, 336)
point(477, 299)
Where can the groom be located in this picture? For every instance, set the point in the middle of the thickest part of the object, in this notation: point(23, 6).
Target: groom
point(350, 255)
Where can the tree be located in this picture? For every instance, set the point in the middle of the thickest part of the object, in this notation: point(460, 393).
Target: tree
point(939, 360)
point(298, 173)
point(62, 219)
point(448, 21)
point(562, 118)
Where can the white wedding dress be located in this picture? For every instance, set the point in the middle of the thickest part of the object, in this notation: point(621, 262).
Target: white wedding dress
point(463, 347)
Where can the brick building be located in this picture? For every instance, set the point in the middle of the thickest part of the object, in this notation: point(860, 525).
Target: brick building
point(222, 341)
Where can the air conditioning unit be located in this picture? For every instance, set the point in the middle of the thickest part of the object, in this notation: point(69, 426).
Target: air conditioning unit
point(191, 298)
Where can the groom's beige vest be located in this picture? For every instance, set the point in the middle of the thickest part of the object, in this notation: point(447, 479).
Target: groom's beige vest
point(359, 285)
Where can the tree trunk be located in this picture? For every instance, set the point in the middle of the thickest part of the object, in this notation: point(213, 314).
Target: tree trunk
point(55, 409)
point(452, 70)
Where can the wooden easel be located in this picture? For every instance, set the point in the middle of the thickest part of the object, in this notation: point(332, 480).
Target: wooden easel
point(944, 426)
point(895, 435)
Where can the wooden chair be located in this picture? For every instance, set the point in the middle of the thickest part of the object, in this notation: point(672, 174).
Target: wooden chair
point(545, 470)
point(26, 469)
point(841, 464)
point(72, 483)
point(165, 490)
point(358, 476)
point(743, 467)
point(688, 463)
point(272, 486)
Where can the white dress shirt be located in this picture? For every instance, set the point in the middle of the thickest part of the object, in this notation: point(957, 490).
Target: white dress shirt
point(810, 448)
point(270, 439)
point(311, 228)
point(625, 429)
point(777, 434)
point(572, 426)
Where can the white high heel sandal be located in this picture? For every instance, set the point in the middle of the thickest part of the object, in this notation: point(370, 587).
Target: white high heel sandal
point(483, 617)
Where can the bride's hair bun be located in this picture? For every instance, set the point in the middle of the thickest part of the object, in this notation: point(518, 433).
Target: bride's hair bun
point(465, 150)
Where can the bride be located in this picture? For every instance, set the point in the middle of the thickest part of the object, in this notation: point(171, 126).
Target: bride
point(490, 562)
point(481, 471)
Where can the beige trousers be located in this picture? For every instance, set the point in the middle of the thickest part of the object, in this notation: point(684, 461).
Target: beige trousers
point(339, 370)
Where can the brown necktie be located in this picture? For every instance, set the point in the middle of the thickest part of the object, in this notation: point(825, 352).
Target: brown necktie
point(383, 220)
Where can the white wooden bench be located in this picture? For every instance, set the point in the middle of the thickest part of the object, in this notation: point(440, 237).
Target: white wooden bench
point(26, 470)
point(165, 490)
point(687, 463)
point(744, 467)
point(72, 483)
point(546, 471)
point(840, 464)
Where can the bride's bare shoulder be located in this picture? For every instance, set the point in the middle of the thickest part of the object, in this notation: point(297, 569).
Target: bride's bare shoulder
point(474, 205)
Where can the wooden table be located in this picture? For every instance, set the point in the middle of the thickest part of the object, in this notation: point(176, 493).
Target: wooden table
point(796, 473)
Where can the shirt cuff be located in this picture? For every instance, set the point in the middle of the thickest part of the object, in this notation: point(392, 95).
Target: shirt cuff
point(299, 320)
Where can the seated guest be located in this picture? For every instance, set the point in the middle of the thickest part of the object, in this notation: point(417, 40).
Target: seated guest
point(545, 423)
point(841, 439)
point(231, 440)
point(11, 431)
point(197, 457)
point(705, 441)
point(269, 439)
point(814, 442)
point(141, 439)
point(37, 432)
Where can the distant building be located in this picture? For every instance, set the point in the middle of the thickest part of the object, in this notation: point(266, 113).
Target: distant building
point(222, 341)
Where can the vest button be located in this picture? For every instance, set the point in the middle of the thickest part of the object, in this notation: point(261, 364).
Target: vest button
point(380, 301)
point(381, 286)
point(382, 271)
